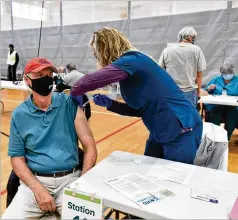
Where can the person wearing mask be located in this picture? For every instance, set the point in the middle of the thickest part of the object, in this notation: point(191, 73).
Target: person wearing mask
point(44, 151)
point(149, 92)
point(12, 61)
point(66, 82)
point(225, 84)
point(185, 63)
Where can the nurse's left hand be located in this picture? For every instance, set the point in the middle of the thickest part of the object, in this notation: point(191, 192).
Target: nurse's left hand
point(102, 100)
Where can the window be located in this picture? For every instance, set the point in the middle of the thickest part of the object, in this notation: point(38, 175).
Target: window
point(80, 12)
point(235, 4)
point(109, 11)
point(5, 16)
point(27, 11)
point(51, 14)
point(77, 12)
point(27, 16)
point(143, 9)
point(184, 7)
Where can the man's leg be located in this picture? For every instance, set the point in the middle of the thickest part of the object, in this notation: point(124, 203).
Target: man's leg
point(14, 73)
point(64, 182)
point(184, 147)
point(23, 205)
point(9, 76)
point(230, 120)
point(192, 97)
point(12, 187)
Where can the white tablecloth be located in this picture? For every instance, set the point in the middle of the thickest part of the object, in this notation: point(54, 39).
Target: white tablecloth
point(9, 85)
point(220, 100)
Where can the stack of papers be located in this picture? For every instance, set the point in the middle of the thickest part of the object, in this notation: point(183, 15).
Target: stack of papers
point(139, 189)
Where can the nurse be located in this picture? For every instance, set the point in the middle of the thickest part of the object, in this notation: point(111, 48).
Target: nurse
point(225, 84)
point(149, 92)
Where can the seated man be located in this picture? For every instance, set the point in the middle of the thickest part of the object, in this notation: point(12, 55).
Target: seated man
point(66, 82)
point(226, 84)
point(43, 145)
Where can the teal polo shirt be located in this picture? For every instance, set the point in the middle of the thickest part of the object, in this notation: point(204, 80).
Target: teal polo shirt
point(47, 139)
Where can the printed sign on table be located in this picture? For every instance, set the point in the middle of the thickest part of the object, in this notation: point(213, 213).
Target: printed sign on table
point(80, 205)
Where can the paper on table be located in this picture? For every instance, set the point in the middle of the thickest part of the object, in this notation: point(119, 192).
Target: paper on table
point(205, 195)
point(129, 158)
point(174, 172)
point(139, 189)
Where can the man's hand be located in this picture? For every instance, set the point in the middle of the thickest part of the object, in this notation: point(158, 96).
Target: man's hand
point(211, 87)
point(42, 195)
point(44, 199)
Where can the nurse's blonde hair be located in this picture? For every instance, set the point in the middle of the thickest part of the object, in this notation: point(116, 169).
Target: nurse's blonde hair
point(109, 44)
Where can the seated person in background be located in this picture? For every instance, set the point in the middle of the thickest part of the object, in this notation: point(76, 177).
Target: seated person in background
point(66, 82)
point(226, 84)
point(61, 71)
point(72, 75)
point(43, 145)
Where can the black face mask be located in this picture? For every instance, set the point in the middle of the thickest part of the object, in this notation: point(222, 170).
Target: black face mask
point(43, 86)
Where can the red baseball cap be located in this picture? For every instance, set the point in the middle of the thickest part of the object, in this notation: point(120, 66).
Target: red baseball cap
point(37, 64)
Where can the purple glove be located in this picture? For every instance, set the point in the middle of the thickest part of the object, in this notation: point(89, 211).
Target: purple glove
point(102, 100)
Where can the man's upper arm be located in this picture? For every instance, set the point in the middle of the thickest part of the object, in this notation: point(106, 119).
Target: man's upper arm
point(72, 106)
point(84, 133)
point(201, 62)
point(16, 146)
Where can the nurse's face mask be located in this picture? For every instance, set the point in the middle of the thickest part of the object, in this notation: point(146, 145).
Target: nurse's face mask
point(41, 82)
point(228, 77)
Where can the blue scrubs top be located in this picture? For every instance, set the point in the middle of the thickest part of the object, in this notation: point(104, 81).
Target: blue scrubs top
point(164, 108)
point(231, 89)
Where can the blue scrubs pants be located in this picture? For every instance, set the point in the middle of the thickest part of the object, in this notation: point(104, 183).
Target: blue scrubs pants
point(182, 149)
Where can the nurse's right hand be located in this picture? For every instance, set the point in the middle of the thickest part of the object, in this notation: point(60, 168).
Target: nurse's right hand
point(102, 100)
point(211, 87)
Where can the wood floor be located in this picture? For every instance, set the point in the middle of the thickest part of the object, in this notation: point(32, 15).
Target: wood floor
point(112, 132)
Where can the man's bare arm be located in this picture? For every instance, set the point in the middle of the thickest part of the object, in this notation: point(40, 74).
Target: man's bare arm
point(43, 197)
point(86, 138)
point(199, 83)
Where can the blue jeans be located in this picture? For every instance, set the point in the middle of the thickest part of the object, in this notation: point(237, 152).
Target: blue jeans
point(192, 96)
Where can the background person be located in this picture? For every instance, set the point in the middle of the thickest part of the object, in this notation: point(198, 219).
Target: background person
point(226, 83)
point(12, 61)
point(185, 62)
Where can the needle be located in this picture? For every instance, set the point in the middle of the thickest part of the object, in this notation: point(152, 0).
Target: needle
point(89, 101)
